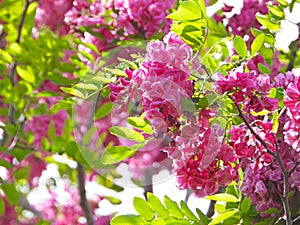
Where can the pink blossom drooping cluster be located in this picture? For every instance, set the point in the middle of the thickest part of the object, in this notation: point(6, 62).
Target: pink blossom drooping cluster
point(263, 181)
point(251, 89)
point(155, 89)
point(201, 160)
point(157, 86)
point(265, 186)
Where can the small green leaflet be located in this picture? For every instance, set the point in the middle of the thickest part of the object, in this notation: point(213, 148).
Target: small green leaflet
point(240, 46)
point(115, 154)
point(140, 123)
point(2, 207)
point(11, 193)
point(223, 197)
point(157, 206)
point(103, 110)
point(143, 208)
point(26, 73)
point(127, 133)
point(222, 217)
point(257, 43)
point(173, 208)
point(245, 205)
point(266, 22)
point(127, 220)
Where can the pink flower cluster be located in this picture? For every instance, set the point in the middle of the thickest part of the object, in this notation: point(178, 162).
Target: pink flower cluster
point(240, 24)
point(201, 160)
point(62, 206)
point(263, 181)
point(292, 102)
point(142, 16)
point(245, 144)
point(265, 185)
point(157, 86)
point(39, 124)
point(156, 89)
point(251, 89)
point(52, 14)
point(171, 50)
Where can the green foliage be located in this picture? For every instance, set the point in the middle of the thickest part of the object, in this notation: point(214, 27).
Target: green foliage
point(190, 22)
point(153, 211)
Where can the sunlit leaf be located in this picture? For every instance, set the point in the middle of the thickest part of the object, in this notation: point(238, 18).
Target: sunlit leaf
point(127, 133)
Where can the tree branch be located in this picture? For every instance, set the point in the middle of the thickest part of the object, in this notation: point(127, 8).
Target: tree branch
point(83, 200)
point(276, 156)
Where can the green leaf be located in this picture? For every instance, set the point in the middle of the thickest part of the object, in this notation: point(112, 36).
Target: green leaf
point(140, 123)
point(283, 3)
point(257, 43)
point(221, 217)
point(6, 56)
point(245, 205)
point(177, 222)
point(266, 22)
point(103, 110)
point(26, 73)
point(240, 46)
point(5, 164)
point(223, 197)
point(275, 121)
point(143, 208)
point(276, 12)
point(157, 206)
point(263, 69)
point(89, 87)
point(187, 212)
point(116, 72)
point(267, 53)
point(127, 220)
point(187, 10)
point(115, 154)
point(261, 113)
point(130, 64)
point(173, 208)
point(113, 200)
point(72, 148)
point(11, 193)
point(127, 133)
point(2, 207)
point(73, 91)
point(204, 219)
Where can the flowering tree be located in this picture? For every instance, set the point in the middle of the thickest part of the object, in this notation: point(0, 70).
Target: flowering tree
point(89, 85)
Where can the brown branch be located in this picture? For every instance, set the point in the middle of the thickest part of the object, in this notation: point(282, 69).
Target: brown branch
point(285, 196)
point(83, 200)
point(276, 156)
